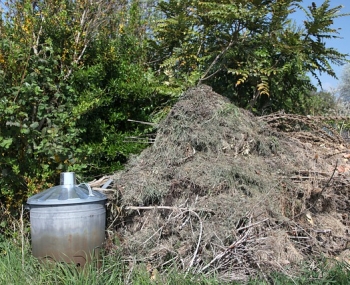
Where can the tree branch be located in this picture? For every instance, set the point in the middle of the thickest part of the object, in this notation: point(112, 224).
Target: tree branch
point(205, 77)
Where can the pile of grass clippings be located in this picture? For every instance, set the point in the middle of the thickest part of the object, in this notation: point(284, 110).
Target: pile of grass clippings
point(223, 192)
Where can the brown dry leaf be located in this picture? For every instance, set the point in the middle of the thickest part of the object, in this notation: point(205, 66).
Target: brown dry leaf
point(346, 155)
point(344, 256)
point(341, 168)
point(149, 267)
point(309, 218)
point(316, 190)
point(154, 275)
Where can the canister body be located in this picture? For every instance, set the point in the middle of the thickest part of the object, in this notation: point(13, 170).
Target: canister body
point(72, 233)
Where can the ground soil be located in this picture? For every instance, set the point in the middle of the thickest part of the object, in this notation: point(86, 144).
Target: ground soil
point(223, 192)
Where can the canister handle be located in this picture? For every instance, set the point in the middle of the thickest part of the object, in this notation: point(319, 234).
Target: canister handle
point(88, 188)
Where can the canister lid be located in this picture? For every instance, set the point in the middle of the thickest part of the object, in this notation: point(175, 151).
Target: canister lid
point(68, 192)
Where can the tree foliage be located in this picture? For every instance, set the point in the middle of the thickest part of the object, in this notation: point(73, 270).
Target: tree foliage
point(321, 103)
point(250, 51)
point(345, 84)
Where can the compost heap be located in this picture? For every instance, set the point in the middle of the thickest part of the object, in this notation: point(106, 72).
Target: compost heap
point(222, 191)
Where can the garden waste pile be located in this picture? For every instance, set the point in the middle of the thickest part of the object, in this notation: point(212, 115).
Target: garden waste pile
point(223, 192)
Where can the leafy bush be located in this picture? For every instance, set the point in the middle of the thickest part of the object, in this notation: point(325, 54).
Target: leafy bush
point(70, 80)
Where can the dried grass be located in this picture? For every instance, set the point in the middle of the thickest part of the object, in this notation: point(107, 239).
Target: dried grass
point(221, 191)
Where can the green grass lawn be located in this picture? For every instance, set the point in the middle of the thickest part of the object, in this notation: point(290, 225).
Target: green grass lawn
point(18, 266)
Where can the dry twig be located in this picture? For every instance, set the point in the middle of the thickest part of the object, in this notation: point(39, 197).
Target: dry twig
point(199, 240)
point(137, 208)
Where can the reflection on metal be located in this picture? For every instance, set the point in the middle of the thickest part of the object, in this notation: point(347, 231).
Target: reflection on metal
point(67, 222)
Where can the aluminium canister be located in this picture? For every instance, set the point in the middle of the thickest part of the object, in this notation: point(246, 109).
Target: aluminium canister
point(67, 222)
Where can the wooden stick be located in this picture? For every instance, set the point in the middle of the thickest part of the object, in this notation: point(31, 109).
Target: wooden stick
point(252, 225)
point(103, 189)
point(136, 208)
point(22, 237)
point(138, 142)
point(325, 231)
point(198, 243)
point(145, 123)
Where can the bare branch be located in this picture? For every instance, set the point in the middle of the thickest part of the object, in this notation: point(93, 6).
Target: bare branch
point(205, 77)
